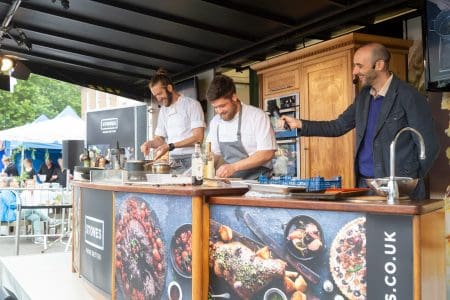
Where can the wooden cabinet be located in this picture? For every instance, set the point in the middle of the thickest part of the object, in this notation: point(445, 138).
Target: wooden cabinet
point(322, 75)
point(324, 83)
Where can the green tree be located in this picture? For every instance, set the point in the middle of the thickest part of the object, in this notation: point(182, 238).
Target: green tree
point(35, 96)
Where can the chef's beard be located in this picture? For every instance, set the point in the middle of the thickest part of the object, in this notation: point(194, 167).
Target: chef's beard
point(168, 101)
point(231, 113)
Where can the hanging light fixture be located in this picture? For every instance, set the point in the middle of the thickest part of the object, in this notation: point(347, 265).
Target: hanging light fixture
point(6, 64)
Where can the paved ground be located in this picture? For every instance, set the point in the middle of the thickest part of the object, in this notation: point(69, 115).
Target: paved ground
point(7, 246)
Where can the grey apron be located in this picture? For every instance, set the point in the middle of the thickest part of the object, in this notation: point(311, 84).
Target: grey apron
point(235, 151)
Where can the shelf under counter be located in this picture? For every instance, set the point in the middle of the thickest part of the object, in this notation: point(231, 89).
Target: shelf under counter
point(405, 241)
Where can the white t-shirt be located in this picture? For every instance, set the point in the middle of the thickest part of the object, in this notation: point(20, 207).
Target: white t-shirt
point(256, 131)
point(176, 122)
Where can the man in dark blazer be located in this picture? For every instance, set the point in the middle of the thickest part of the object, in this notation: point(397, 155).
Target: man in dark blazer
point(384, 105)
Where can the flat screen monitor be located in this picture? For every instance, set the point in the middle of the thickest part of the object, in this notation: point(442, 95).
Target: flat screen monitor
point(437, 44)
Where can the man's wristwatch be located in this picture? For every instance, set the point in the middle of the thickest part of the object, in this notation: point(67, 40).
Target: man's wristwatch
point(171, 146)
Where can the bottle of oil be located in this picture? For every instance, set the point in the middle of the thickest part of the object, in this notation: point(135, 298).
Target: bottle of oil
point(197, 165)
point(208, 160)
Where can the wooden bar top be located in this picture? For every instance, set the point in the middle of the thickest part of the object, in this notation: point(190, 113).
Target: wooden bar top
point(369, 204)
point(184, 190)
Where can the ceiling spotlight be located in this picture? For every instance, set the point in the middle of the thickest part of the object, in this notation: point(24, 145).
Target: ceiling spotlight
point(6, 64)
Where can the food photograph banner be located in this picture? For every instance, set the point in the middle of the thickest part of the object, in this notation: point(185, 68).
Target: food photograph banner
point(153, 247)
point(271, 253)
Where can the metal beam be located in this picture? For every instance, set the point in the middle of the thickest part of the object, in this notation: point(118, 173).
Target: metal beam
point(320, 24)
point(92, 54)
point(9, 16)
point(98, 43)
point(177, 19)
point(116, 27)
point(252, 11)
point(72, 62)
point(340, 3)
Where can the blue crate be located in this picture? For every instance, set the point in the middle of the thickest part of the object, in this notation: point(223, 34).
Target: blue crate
point(313, 184)
point(286, 134)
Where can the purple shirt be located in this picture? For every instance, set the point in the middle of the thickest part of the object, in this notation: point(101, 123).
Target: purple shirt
point(365, 154)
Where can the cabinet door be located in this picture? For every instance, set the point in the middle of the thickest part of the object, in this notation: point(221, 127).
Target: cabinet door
point(327, 92)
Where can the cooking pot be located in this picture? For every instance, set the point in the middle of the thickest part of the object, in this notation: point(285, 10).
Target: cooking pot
point(160, 168)
point(138, 165)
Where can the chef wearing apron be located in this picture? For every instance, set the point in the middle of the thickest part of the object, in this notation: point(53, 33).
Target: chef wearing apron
point(180, 124)
point(241, 134)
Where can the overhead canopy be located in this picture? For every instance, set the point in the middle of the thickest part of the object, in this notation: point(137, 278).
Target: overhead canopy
point(65, 126)
point(116, 45)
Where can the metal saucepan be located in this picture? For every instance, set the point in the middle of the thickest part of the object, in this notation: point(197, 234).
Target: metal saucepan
point(138, 165)
point(160, 168)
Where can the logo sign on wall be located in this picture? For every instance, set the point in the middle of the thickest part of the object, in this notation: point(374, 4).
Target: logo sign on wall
point(94, 232)
point(109, 125)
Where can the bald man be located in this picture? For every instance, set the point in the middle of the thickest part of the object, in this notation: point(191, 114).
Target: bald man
point(384, 105)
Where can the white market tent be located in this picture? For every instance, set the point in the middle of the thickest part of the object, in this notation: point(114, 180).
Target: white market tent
point(67, 125)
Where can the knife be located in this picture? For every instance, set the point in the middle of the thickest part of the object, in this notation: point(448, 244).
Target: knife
point(279, 251)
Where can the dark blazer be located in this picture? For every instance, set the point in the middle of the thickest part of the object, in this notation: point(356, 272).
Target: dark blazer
point(402, 106)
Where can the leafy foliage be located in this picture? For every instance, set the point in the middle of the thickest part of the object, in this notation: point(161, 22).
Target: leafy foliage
point(35, 96)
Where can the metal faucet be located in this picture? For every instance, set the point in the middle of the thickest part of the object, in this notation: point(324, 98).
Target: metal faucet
point(392, 184)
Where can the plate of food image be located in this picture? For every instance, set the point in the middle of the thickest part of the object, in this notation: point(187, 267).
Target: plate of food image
point(304, 237)
point(348, 259)
point(140, 251)
point(181, 250)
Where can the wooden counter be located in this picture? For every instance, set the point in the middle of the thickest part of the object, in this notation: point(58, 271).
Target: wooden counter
point(368, 204)
point(101, 209)
point(181, 190)
point(417, 265)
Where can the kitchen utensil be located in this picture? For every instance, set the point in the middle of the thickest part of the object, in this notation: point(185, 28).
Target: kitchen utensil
point(275, 112)
point(331, 194)
point(224, 180)
point(134, 165)
point(309, 274)
point(161, 168)
point(380, 185)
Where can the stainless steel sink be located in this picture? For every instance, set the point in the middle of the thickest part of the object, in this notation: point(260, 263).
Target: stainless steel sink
point(381, 185)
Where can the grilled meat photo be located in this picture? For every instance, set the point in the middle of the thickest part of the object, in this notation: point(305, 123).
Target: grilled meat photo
point(244, 270)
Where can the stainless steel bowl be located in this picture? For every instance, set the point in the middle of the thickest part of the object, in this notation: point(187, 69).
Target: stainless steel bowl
point(380, 185)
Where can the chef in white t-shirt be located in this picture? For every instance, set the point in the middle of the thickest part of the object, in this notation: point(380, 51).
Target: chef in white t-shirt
point(181, 122)
point(241, 134)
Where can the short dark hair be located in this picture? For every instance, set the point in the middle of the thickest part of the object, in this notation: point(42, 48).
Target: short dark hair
point(222, 86)
point(162, 76)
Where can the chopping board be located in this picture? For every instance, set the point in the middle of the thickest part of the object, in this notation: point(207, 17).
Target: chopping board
point(275, 188)
point(331, 194)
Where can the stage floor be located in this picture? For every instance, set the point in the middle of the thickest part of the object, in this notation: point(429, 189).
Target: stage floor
point(45, 276)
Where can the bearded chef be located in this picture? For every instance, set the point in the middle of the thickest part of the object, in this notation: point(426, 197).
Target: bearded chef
point(240, 134)
point(180, 125)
